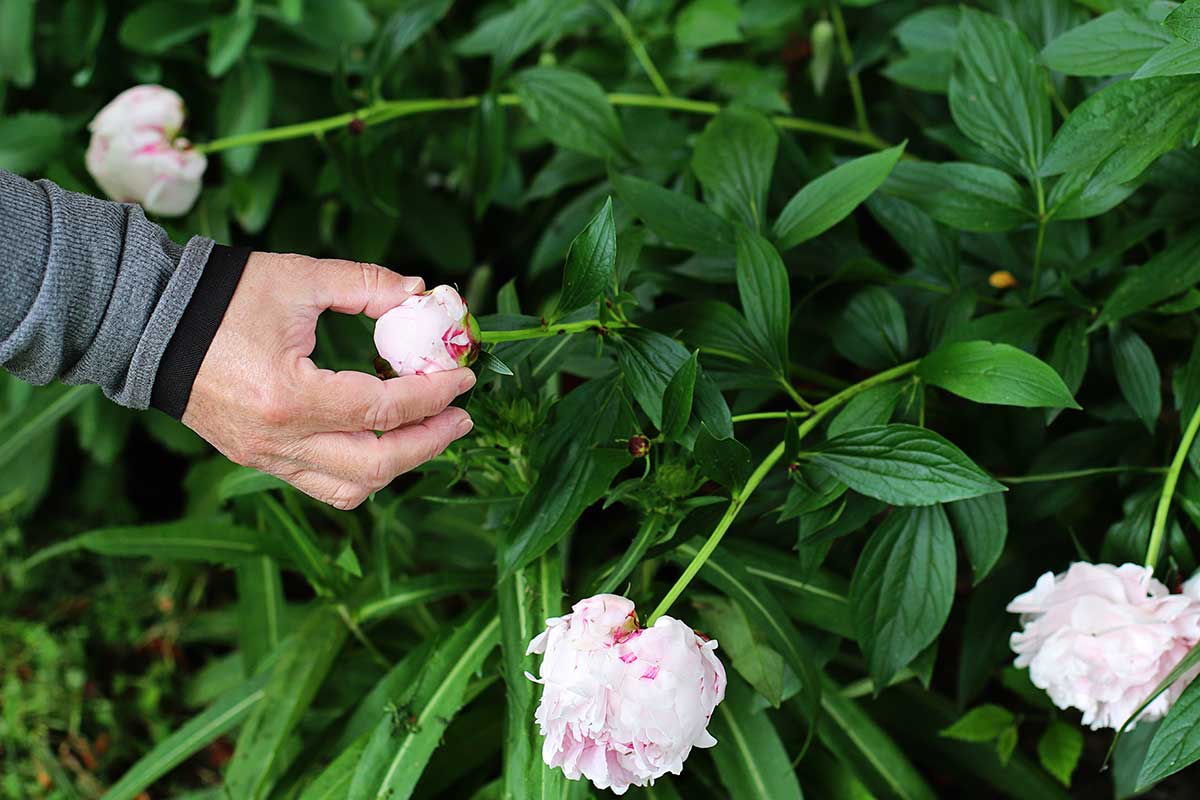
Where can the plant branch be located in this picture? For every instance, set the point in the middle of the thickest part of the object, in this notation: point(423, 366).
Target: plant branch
point(635, 44)
point(387, 110)
point(742, 495)
point(1168, 491)
point(1041, 239)
point(856, 93)
point(1078, 473)
point(545, 331)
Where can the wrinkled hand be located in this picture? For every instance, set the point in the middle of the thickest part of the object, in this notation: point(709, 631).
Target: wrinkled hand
point(260, 399)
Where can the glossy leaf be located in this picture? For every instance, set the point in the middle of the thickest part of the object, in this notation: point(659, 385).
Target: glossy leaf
point(762, 281)
point(571, 110)
point(903, 588)
point(982, 525)
point(995, 373)
point(733, 159)
point(903, 465)
point(590, 262)
point(830, 198)
point(675, 218)
point(1137, 375)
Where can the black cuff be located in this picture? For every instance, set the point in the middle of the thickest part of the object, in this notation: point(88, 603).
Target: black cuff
point(197, 327)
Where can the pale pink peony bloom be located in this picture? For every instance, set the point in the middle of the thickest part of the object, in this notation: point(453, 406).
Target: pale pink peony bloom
point(624, 705)
point(137, 156)
point(429, 332)
point(1100, 638)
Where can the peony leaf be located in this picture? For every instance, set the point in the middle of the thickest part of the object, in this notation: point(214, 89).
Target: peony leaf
point(591, 262)
point(995, 373)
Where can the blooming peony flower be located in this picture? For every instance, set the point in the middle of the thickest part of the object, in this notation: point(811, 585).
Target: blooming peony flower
point(137, 156)
point(624, 705)
point(1100, 638)
point(429, 332)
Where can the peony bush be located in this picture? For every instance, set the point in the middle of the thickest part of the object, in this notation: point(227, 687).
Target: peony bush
point(856, 340)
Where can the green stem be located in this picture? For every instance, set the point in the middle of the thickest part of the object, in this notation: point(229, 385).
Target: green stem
point(1041, 240)
point(1168, 490)
point(1078, 473)
point(387, 110)
point(742, 495)
point(792, 393)
point(757, 415)
point(856, 93)
point(635, 44)
point(561, 329)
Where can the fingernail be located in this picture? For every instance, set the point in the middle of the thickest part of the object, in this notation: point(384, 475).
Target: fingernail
point(464, 426)
point(413, 284)
point(467, 382)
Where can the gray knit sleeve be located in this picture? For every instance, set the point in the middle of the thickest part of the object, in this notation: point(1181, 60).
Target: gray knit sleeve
point(90, 291)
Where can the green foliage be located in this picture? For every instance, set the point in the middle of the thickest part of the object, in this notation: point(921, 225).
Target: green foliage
point(847, 299)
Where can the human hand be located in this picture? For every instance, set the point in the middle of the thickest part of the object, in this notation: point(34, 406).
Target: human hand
point(260, 399)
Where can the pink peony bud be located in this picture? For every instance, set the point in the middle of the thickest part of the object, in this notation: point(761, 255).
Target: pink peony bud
point(624, 705)
point(137, 156)
point(1100, 638)
point(429, 332)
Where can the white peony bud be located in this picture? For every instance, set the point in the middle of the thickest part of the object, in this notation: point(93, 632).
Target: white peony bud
point(624, 705)
point(137, 156)
point(1100, 638)
point(429, 332)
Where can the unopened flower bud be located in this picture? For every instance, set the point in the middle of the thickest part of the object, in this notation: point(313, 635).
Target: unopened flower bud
point(137, 156)
point(356, 127)
point(429, 332)
point(639, 446)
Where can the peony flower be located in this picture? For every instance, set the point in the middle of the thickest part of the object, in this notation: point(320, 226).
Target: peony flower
point(623, 705)
point(137, 156)
point(429, 332)
point(1100, 638)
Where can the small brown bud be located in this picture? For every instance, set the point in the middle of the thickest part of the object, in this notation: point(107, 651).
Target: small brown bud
point(639, 447)
point(356, 126)
point(793, 467)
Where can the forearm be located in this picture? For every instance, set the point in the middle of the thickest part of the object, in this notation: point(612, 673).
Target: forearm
point(92, 291)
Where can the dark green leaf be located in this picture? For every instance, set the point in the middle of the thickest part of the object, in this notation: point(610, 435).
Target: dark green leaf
point(980, 724)
point(590, 262)
point(489, 360)
point(751, 759)
point(245, 106)
point(1184, 22)
point(982, 524)
point(995, 373)
point(903, 588)
point(830, 198)
point(872, 332)
point(1173, 270)
point(932, 247)
point(416, 591)
point(392, 761)
point(1116, 43)
point(410, 20)
point(29, 141)
point(159, 26)
point(704, 23)
point(872, 407)
point(1176, 745)
point(997, 93)
point(1059, 749)
point(725, 460)
point(294, 679)
point(677, 398)
point(17, 63)
point(675, 218)
point(733, 160)
point(649, 360)
point(1137, 374)
point(571, 110)
point(227, 41)
point(903, 465)
point(762, 281)
point(968, 197)
point(1107, 132)
point(1069, 357)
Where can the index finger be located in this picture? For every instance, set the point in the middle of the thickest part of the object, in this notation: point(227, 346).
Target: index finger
point(353, 287)
point(356, 401)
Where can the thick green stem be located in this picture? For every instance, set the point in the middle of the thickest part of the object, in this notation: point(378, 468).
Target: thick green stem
point(742, 495)
point(387, 110)
point(635, 44)
point(1168, 491)
point(792, 393)
point(545, 331)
